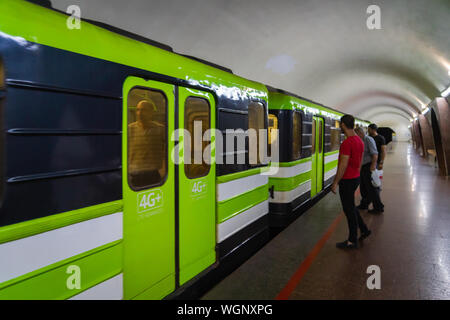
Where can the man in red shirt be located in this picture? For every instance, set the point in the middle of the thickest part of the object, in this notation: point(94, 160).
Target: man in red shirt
point(347, 177)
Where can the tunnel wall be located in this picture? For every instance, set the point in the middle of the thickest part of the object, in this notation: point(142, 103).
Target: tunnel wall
point(441, 110)
point(417, 137)
point(427, 135)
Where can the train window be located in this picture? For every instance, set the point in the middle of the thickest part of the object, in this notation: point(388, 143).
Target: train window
point(296, 135)
point(256, 121)
point(335, 136)
point(196, 114)
point(147, 138)
point(272, 135)
point(320, 136)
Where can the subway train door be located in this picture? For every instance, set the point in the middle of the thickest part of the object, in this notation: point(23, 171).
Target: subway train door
point(317, 155)
point(196, 183)
point(148, 189)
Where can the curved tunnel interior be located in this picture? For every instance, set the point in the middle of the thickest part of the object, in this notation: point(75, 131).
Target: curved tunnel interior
point(383, 64)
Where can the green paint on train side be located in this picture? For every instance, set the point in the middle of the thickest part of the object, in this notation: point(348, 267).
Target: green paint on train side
point(282, 101)
point(288, 184)
point(331, 153)
point(36, 226)
point(197, 201)
point(317, 156)
point(148, 226)
point(230, 208)
point(331, 165)
point(240, 174)
point(21, 20)
point(50, 283)
point(292, 163)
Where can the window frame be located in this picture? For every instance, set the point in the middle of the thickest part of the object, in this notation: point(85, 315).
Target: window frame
point(209, 127)
point(300, 113)
point(336, 128)
point(265, 127)
point(163, 181)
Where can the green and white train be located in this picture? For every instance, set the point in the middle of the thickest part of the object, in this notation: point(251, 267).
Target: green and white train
point(88, 210)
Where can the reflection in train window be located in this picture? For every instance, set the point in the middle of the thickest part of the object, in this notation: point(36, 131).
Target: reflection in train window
point(196, 122)
point(296, 135)
point(256, 121)
point(147, 138)
point(335, 136)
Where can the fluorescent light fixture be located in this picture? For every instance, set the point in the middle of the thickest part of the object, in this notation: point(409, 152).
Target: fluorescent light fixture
point(446, 92)
point(425, 110)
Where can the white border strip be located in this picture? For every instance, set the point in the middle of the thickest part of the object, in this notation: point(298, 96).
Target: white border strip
point(330, 174)
point(233, 225)
point(28, 254)
point(331, 157)
point(288, 172)
point(236, 187)
point(111, 289)
point(289, 196)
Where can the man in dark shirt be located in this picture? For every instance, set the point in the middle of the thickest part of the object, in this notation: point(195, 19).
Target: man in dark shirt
point(348, 179)
point(378, 207)
point(380, 142)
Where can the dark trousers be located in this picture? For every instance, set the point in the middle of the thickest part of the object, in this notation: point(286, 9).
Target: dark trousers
point(369, 193)
point(347, 188)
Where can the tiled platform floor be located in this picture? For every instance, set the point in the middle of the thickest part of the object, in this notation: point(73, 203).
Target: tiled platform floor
point(410, 243)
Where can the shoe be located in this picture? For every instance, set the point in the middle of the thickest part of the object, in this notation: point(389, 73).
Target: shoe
point(374, 211)
point(360, 207)
point(346, 245)
point(365, 235)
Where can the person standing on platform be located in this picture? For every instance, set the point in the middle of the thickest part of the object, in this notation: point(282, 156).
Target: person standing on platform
point(369, 193)
point(348, 179)
point(381, 148)
point(380, 142)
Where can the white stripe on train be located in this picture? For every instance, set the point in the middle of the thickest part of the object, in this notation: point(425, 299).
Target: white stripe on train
point(111, 289)
point(240, 221)
point(22, 256)
point(236, 187)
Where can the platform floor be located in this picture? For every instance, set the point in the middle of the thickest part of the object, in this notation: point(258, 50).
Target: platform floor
point(410, 243)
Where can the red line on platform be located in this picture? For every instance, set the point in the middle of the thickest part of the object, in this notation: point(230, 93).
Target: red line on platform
point(298, 275)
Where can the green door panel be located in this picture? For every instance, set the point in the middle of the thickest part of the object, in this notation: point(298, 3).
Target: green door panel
point(149, 219)
point(197, 217)
point(314, 158)
point(317, 155)
point(320, 151)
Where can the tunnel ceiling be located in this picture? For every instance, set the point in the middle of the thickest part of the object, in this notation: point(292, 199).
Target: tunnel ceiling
point(319, 49)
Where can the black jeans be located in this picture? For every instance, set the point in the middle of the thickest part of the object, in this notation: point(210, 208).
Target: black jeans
point(347, 188)
point(369, 193)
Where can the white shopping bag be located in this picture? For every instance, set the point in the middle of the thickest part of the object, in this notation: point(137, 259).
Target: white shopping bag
point(377, 176)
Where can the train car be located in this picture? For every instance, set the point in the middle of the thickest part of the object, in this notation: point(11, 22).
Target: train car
point(309, 140)
point(97, 200)
point(94, 203)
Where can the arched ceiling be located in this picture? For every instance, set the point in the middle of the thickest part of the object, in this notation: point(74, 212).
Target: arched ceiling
point(319, 49)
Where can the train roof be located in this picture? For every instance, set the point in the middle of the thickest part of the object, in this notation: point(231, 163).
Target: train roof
point(48, 4)
point(36, 23)
point(313, 103)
